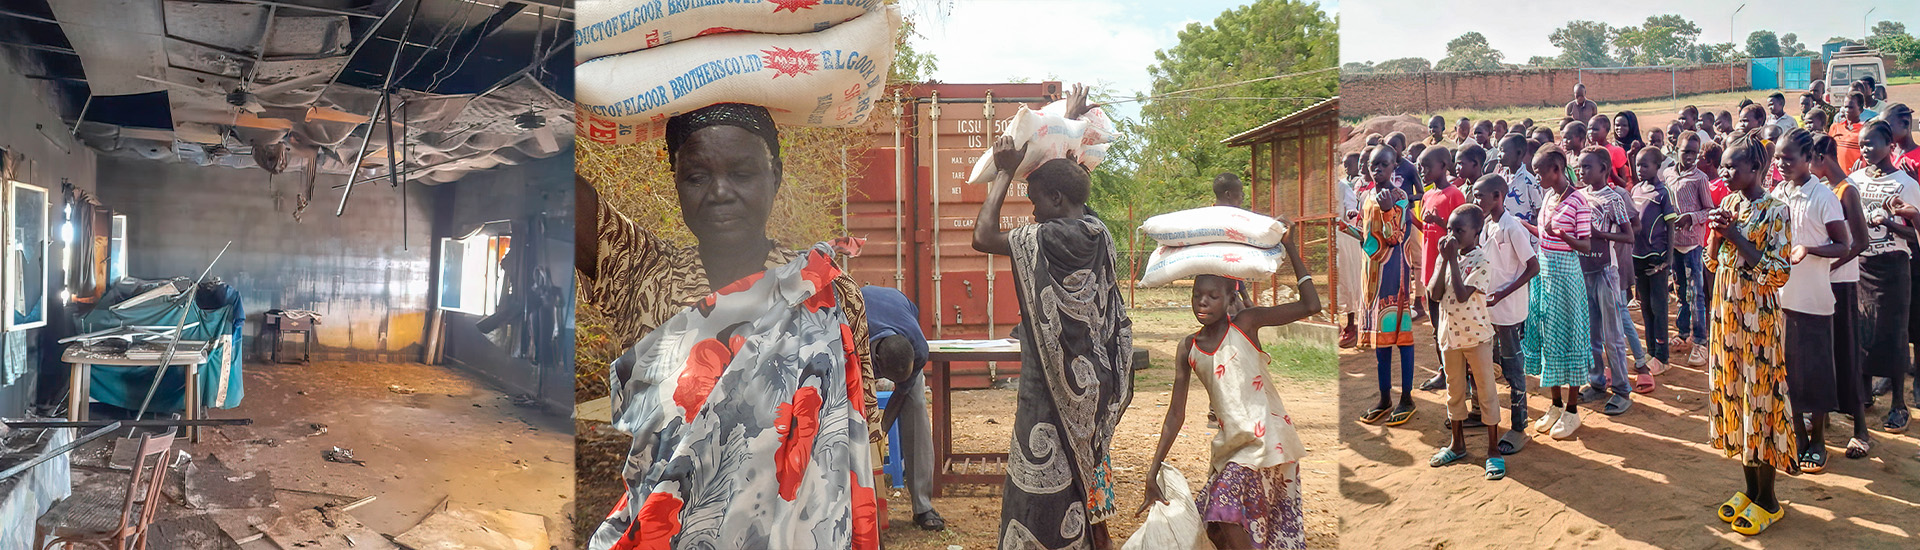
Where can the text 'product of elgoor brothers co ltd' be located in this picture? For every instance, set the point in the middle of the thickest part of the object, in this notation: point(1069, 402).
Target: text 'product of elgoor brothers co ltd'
point(1048, 134)
point(608, 27)
point(830, 78)
point(1214, 224)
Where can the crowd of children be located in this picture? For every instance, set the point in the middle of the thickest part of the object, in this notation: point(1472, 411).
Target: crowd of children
point(1785, 242)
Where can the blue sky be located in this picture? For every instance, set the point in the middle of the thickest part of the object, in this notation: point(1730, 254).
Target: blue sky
point(1377, 30)
point(1091, 41)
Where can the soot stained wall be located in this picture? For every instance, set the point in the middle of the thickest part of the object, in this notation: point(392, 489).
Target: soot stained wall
point(367, 272)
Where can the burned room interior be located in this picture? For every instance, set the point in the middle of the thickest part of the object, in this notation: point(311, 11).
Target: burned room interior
point(344, 226)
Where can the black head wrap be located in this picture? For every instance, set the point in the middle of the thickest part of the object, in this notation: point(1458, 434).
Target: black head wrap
point(752, 118)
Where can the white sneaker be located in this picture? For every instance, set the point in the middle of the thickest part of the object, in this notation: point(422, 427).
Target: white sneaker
point(1567, 424)
point(1697, 357)
point(1655, 367)
point(1547, 420)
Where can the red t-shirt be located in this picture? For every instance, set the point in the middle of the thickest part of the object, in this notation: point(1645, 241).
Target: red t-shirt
point(1909, 162)
point(1846, 139)
point(1440, 203)
point(1717, 188)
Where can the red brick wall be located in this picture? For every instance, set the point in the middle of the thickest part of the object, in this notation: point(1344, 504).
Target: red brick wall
point(1365, 95)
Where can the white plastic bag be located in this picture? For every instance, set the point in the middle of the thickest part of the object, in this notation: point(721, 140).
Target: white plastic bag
point(830, 78)
point(1048, 134)
point(1214, 224)
point(1239, 261)
point(1175, 525)
point(608, 27)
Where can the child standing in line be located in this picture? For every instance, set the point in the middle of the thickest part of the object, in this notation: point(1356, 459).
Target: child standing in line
point(1388, 325)
point(1556, 342)
point(1352, 261)
point(1710, 159)
point(1511, 264)
point(1846, 132)
point(1612, 223)
point(1692, 193)
point(1466, 334)
point(1599, 132)
point(1889, 196)
point(1819, 235)
point(1849, 383)
point(1652, 251)
point(1442, 197)
point(1468, 163)
point(1252, 495)
point(1523, 189)
point(1746, 378)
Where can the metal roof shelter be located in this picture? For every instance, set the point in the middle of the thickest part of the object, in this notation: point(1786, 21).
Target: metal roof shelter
point(1292, 177)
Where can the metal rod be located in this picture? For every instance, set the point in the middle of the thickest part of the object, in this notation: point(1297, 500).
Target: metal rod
point(371, 33)
point(939, 315)
point(54, 49)
point(75, 134)
point(354, 170)
point(899, 193)
point(347, 13)
point(61, 450)
point(377, 177)
point(25, 424)
point(179, 330)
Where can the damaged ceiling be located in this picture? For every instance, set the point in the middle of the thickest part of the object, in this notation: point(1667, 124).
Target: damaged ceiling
point(292, 84)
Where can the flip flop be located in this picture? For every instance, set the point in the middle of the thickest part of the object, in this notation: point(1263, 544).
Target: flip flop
point(1813, 462)
point(1446, 456)
point(1858, 448)
point(1496, 469)
point(1734, 506)
point(1755, 519)
point(1643, 383)
point(1512, 441)
point(1400, 417)
point(1897, 421)
point(1373, 415)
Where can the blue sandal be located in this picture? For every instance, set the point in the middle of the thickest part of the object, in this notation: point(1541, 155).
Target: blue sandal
point(1496, 469)
point(1446, 456)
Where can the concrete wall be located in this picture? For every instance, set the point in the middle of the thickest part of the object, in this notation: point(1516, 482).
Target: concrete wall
point(1365, 95)
point(34, 137)
point(541, 190)
point(354, 269)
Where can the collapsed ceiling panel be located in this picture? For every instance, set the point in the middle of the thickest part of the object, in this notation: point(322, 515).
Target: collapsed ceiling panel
point(298, 83)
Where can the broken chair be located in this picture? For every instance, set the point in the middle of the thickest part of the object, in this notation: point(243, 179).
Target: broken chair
point(88, 520)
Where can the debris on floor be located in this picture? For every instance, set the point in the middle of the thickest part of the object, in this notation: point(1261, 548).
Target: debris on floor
point(199, 532)
point(467, 529)
point(211, 485)
point(399, 389)
point(343, 456)
point(325, 528)
point(317, 429)
point(526, 401)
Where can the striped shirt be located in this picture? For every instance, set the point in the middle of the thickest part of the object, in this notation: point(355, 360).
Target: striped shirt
point(1571, 215)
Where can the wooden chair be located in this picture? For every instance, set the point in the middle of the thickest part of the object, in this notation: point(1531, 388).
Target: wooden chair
point(82, 520)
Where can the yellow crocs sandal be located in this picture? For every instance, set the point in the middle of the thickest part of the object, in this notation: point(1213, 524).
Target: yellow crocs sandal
point(1755, 519)
point(1731, 509)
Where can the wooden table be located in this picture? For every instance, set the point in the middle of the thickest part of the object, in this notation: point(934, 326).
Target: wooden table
point(81, 387)
point(986, 468)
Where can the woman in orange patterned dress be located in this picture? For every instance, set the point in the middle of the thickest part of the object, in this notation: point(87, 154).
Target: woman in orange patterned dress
point(1746, 371)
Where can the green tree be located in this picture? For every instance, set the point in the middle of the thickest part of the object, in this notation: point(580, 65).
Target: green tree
point(1790, 46)
point(1763, 44)
point(908, 64)
point(1470, 52)
point(1404, 65)
point(1181, 132)
point(1888, 28)
point(1900, 49)
point(1661, 39)
point(1582, 44)
point(1356, 67)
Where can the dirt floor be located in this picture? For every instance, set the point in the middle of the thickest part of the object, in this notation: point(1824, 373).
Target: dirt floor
point(1644, 479)
point(1303, 358)
point(426, 434)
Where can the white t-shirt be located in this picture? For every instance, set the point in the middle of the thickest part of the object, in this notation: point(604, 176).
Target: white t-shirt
point(1507, 246)
point(1875, 193)
point(1811, 205)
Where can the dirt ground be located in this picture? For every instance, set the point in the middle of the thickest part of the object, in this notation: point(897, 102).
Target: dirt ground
point(983, 422)
point(1645, 479)
point(450, 437)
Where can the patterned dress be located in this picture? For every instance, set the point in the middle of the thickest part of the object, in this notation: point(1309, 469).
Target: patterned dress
point(1558, 344)
point(641, 284)
point(1389, 315)
point(1746, 367)
point(1255, 480)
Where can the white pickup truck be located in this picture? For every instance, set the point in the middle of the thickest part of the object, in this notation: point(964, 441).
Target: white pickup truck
point(1850, 64)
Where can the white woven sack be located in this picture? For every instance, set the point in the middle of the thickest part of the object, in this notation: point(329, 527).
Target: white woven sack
point(1175, 524)
point(1048, 134)
point(1239, 261)
point(1214, 224)
point(608, 27)
point(830, 78)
